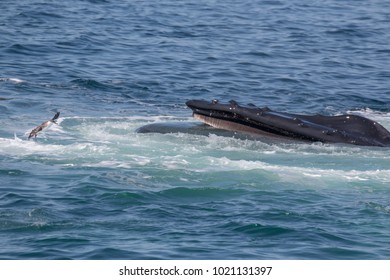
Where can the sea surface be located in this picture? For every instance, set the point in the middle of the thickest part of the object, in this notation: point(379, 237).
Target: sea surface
point(93, 188)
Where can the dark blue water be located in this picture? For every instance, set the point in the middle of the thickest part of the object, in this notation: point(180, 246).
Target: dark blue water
point(92, 188)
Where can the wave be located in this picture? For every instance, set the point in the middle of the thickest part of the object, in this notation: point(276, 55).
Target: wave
point(89, 84)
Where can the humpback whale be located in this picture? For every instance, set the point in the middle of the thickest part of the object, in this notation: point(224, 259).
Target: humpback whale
point(347, 129)
point(45, 124)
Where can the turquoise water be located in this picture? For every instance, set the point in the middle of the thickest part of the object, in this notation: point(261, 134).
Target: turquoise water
point(93, 188)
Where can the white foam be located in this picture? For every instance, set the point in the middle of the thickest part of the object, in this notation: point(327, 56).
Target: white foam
point(287, 173)
point(113, 143)
point(18, 147)
point(12, 80)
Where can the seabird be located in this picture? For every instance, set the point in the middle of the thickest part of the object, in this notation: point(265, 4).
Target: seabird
point(39, 128)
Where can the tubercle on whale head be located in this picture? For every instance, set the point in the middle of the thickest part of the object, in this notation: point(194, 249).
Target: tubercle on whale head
point(217, 105)
point(199, 104)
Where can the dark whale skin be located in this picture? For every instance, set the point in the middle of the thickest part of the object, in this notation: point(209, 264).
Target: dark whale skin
point(347, 129)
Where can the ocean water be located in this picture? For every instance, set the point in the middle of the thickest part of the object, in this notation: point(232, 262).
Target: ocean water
point(93, 188)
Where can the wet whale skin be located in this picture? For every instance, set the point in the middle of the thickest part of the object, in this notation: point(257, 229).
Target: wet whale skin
point(348, 128)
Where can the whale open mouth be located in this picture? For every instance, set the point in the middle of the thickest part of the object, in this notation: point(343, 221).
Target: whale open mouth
point(349, 129)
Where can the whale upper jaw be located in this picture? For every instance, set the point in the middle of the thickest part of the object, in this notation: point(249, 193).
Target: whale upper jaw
point(348, 129)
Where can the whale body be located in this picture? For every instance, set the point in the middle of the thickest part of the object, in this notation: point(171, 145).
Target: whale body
point(347, 129)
